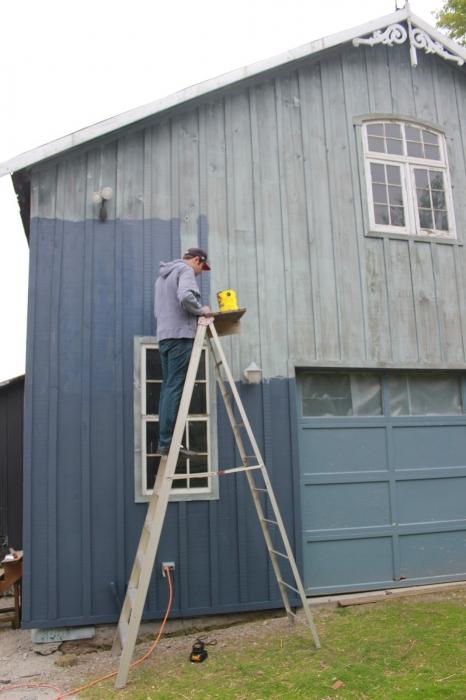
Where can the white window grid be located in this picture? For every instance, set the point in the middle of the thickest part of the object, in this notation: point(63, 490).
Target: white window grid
point(407, 165)
point(191, 487)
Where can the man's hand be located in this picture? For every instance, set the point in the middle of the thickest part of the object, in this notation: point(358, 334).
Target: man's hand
point(206, 311)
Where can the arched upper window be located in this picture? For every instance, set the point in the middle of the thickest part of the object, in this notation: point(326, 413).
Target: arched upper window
point(407, 178)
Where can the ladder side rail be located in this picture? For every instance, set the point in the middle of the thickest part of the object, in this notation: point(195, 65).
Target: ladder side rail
point(291, 558)
point(251, 482)
point(214, 337)
point(216, 342)
point(159, 515)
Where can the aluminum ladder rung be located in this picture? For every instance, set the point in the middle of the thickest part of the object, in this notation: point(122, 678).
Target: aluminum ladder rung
point(288, 585)
point(280, 554)
point(267, 520)
point(256, 488)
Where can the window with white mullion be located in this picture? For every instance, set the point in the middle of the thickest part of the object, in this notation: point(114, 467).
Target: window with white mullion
point(387, 195)
point(196, 433)
point(407, 179)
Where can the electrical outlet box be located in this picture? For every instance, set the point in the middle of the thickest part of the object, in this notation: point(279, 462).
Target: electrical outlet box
point(167, 564)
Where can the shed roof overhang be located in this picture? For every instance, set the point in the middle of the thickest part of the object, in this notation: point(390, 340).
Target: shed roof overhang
point(386, 30)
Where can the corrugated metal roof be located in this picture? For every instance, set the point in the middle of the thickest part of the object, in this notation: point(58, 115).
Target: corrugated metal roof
point(106, 126)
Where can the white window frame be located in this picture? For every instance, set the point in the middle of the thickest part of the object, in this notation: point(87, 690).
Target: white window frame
point(142, 493)
point(407, 164)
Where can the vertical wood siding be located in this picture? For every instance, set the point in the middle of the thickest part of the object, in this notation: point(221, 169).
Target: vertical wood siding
point(272, 174)
point(268, 176)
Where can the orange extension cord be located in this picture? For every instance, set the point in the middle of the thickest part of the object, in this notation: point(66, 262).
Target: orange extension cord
point(108, 675)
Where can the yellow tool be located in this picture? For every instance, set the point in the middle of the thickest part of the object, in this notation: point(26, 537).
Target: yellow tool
point(227, 300)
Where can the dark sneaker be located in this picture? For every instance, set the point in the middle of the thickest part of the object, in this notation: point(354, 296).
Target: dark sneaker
point(163, 450)
point(186, 452)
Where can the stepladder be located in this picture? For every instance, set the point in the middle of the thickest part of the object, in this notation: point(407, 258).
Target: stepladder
point(276, 540)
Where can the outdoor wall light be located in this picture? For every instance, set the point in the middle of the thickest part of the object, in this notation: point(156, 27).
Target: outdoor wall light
point(101, 197)
point(252, 374)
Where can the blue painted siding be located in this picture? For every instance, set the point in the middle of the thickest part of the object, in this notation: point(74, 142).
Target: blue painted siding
point(82, 518)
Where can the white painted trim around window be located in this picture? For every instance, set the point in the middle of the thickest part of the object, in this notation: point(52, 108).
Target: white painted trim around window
point(407, 164)
point(142, 494)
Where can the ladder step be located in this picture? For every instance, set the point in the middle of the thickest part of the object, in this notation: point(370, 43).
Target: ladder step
point(288, 585)
point(256, 488)
point(267, 520)
point(280, 554)
point(123, 632)
point(221, 472)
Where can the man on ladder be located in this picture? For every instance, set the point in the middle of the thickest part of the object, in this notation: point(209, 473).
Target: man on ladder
point(177, 309)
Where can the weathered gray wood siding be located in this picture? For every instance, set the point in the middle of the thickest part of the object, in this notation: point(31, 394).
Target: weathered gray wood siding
point(275, 170)
point(267, 176)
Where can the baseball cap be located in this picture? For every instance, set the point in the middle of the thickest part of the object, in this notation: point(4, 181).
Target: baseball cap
point(198, 253)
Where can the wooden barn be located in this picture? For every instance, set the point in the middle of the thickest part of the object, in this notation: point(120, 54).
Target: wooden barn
point(328, 185)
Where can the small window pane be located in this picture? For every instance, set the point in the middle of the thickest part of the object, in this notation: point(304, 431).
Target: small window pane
point(395, 146)
point(375, 129)
point(430, 137)
point(377, 172)
point(181, 468)
point(438, 199)
point(198, 466)
point(201, 369)
point(395, 195)
point(198, 436)
point(425, 395)
point(393, 131)
point(422, 179)
point(381, 214)
point(425, 218)
point(393, 175)
point(153, 366)
point(412, 133)
point(432, 152)
point(436, 180)
point(397, 216)
point(379, 193)
point(441, 220)
point(423, 198)
point(326, 395)
point(376, 144)
point(415, 149)
point(152, 437)
point(198, 402)
point(152, 398)
point(152, 468)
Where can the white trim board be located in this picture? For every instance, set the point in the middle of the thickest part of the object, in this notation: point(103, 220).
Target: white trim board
point(106, 126)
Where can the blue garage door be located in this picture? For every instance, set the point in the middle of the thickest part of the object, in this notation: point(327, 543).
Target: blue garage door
point(383, 479)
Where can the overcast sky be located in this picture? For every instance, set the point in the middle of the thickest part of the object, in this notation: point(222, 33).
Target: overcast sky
point(66, 65)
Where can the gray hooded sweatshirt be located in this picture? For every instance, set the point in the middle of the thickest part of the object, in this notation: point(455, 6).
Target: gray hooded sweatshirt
point(177, 301)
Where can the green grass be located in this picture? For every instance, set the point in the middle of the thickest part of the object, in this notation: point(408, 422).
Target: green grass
point(406, 648)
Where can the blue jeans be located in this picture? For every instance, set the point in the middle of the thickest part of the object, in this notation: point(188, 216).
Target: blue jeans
point(175, 354)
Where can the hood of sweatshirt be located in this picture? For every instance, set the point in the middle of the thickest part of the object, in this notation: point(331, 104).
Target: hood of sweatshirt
point(167, 267)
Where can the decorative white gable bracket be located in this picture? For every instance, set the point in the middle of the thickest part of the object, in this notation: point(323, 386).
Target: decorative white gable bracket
point(418, 39)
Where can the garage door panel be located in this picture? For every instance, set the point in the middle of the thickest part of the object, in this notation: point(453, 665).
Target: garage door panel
point(425, 555)
point(383, 492)
point(331, 506)
point(348, 563)
point(429, 446)
point(326, 450)
point(431, 500)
